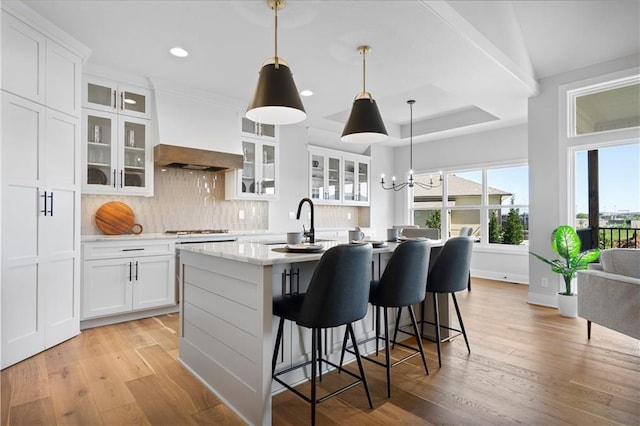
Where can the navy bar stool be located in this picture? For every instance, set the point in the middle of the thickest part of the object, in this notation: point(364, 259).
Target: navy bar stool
point(403, 283)
point(338, 295)
point(449, 274)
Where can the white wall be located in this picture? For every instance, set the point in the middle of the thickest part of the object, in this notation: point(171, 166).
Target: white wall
point(549, 169)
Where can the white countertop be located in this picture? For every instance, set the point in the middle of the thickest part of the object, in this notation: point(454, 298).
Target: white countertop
point(263, 254)
point(162, 235)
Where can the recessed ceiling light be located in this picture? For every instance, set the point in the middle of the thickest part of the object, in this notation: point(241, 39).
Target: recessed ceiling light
point(306, 93)
point(179, 52)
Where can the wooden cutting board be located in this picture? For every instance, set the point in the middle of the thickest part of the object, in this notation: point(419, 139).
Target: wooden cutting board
point(116, 218)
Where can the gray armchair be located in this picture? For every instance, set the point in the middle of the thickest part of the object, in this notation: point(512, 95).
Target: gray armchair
point(609, 292)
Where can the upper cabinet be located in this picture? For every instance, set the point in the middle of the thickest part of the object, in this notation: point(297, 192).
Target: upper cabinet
point(116, 139)
point(338, 177)
point(259, 177)
point(264, 131)
point(39, 69)
point(111, 96)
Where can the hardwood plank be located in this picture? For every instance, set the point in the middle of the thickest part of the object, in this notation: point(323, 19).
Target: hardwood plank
point(29, 382)
point(72, 400)
point(159, 402)
point(129, 414)
point(36, 412)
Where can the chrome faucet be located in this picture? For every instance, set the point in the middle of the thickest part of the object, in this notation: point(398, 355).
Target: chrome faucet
point(311, 233)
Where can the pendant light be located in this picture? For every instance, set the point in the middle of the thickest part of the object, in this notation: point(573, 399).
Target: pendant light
point(364, 124)
point(410, 182)
point(276, 99)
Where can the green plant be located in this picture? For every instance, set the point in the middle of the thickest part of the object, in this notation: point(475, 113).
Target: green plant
point(566, 243)
point(495, 233)
point(434, 220)
point(513, 231)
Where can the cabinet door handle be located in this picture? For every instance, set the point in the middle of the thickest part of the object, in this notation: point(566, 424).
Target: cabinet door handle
point(50, 204)
point(121, 179)
point(114, 178)
point(121, 101)
point(136, 270)
point(44, 196)
point(114, 100)
point(130, 270)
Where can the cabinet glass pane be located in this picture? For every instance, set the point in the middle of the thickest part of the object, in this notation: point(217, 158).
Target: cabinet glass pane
point(134, 102)
point(363, 182)
point(100, 95)
point(317, 177)
point(248, 126)
point(134, 154)
point(349, 180)
point(268, 130)
point(249, 168)
point(268, 185)
point(99, 140)
point(333, 180)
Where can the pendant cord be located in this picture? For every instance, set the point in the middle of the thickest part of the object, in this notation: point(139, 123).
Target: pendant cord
point(275, 8)
point(411, 136)
point(364, 56)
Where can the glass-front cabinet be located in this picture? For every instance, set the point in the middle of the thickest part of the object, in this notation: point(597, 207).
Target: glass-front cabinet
point(117, 154)
point(252, 128)
point(258, 178)
point(325, 177)
point(356, 181)
point(111, 96)
point(116, 139)
point(338, 177)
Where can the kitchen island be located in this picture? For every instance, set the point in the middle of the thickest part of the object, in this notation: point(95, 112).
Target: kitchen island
point(226, 319)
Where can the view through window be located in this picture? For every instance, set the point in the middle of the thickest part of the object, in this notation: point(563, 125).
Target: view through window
point(618, 193)
point(494, 202)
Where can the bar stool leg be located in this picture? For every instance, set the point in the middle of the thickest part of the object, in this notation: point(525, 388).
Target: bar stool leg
point(344, 347)
point(359, 360)
point(415, 329)
point(314, 366)
point(377, 329)
point(277, 348)
point(464, 333)
point(437, 315)
point(387, 351)
point(395, 330)
point(319, 337)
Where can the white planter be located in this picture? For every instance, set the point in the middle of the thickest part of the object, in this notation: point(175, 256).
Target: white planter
point(568, 305)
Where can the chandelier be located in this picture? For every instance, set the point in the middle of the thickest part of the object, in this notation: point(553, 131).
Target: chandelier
point(410, 182)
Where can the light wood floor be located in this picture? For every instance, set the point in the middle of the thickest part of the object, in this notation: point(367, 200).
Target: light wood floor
point(528, 365)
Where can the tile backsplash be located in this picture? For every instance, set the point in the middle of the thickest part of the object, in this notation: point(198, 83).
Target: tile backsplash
point(185, 199)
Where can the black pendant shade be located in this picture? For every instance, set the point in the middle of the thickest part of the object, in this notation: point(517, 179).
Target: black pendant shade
point(365, 124)
point(276, 99)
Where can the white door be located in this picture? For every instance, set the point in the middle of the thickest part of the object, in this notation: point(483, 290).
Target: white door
point(154, 281)
point(106, 287)
point(22, 314)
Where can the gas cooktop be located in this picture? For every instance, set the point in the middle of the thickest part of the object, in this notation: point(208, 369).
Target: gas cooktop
point(198, 231)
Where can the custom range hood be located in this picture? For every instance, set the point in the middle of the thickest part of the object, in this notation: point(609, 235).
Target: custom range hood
point(195, 159)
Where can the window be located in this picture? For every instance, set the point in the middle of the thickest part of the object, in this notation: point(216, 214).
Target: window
point(603, 107)
point(493, 201)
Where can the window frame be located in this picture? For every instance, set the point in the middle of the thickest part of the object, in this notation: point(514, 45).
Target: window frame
point(484, 207)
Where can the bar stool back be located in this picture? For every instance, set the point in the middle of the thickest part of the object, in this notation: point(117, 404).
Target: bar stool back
point(338, 295)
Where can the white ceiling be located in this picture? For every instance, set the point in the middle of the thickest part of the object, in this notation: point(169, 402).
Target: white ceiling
point(469, 64)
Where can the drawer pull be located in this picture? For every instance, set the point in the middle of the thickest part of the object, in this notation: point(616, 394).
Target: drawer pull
point(133, 249)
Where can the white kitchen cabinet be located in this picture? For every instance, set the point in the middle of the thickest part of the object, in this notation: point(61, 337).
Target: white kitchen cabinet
point(127, 276)
point(40, 228)
point(39, 69)
point(252, 128)
point(325, 181)
point(116, 154)
point(338, 177)
point(356, 179)
point(259, 176)
point(112, 96)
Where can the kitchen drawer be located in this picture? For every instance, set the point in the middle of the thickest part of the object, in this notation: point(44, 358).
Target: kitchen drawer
point(117, 249)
